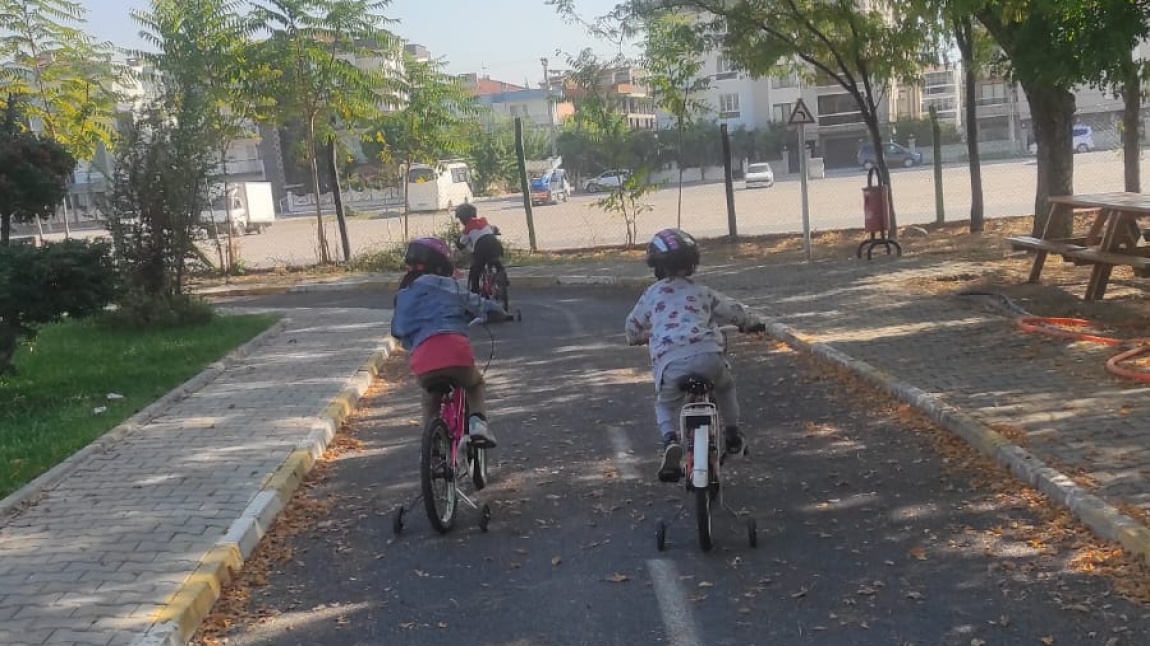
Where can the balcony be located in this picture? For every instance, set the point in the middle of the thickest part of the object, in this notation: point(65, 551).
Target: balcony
point(243, 167)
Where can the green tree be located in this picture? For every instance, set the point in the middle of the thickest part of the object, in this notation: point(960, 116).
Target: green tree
point(492, 154)
point(34, 172)
point(673, 57)
point(861, 48)
point(331, 59)
point(66, 77)
point(203, 50)
point(431, 126)
point(1052, 46)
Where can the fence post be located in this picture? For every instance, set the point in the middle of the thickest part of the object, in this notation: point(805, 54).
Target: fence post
point(728, 180)
point(936, 131)
point(523, 184)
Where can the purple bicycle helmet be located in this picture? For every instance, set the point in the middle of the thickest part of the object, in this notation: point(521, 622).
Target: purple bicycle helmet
point(429, 254)
point(672, 250)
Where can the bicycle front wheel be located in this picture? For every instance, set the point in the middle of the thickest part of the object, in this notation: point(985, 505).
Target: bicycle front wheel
point(437, 476)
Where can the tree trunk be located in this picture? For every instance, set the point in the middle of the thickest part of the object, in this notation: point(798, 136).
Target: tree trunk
point(5, 229)
point(1052, 112)
point(324, 253)
point(964, 33)
point(1132, 130)
point(679, 163)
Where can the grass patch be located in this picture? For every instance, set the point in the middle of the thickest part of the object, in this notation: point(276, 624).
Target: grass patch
point(46, 407)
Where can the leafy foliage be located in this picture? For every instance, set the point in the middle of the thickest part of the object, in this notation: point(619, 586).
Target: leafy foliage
point(313, 46)
point(65, 76)
point(152, 211)
point(40, 285)
point(626, 200)
point(34, 172)
point(205, 60)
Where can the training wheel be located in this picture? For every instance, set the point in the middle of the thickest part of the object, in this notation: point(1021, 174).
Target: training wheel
point(752, 532)
point(661, 536)
point(397, 522)
point(484, 518)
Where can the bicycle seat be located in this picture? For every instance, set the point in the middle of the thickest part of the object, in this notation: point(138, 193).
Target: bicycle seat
point(696, 385)
point(440, 385)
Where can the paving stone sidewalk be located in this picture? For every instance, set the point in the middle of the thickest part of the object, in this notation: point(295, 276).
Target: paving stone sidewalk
point(99, 556)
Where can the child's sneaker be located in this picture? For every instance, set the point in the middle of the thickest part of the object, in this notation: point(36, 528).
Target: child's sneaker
point(671, 468)
point(481, 436)
point(734, 440)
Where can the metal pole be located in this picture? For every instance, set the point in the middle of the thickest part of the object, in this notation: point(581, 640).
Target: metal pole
point(732, 224)
point(550, 108)
point(936, 132)
point(803, 188)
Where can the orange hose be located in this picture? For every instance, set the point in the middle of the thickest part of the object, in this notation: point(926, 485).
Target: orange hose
point(1112, 364)
point(1048, 325)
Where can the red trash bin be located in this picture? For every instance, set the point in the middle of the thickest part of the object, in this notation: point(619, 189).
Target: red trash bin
point(876, 204)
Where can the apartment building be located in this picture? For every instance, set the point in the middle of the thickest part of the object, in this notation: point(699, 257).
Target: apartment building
point(507, 101)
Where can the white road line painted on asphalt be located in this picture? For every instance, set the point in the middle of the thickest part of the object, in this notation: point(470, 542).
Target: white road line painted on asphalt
point(624, 454)
point(677, 617)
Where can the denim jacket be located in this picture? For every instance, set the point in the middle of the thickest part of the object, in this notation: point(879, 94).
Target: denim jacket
point(435, 305)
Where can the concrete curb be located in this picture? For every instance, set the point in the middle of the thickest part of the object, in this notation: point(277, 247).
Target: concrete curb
point(27, 495)
point(1101, 517)
point(182, 613)
point(393, 283)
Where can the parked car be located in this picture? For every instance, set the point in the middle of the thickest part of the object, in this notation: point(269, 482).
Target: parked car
point(550, 187)
point(894, 154)
point(759, 175)
point(1083, 139)
point(606, 180)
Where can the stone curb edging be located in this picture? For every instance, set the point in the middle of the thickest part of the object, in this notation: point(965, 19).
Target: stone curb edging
point(1101, 517)
point(27, 495)
point(393, 283)
point(183, 612)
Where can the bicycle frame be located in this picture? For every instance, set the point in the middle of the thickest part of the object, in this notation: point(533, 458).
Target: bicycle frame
point(703, 469)
point(453, 412)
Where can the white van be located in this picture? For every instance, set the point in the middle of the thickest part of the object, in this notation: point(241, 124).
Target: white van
point(1083, 139)
point(435, 188)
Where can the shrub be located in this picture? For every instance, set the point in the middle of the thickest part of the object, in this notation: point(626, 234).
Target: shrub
point(71, 279)
point(140, 310)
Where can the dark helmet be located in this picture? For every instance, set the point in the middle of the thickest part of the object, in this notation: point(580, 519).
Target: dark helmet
point(465, 212)
point(430, 255)
point(672, 251)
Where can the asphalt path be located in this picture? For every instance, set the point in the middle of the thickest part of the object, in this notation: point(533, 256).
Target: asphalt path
point(866, 535)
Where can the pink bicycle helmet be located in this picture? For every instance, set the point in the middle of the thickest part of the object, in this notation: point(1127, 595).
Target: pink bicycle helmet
point(429, 254)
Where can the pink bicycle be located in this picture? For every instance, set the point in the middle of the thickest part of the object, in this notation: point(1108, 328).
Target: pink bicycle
point(447, 460)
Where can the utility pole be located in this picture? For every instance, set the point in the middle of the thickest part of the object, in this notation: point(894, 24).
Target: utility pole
point(550, 107)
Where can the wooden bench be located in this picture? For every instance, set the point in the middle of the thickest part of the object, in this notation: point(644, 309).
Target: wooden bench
point(1042, 247)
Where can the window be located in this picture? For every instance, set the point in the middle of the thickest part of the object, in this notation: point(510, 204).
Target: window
point(991, 93)
point(728, 105)
point(837, 110)
point(420, 176)
point(723, 69)
point(459, 175)
point(790, 80)
point(781, 112)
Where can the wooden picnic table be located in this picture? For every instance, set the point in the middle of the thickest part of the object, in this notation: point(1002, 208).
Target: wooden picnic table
point(1112, 239)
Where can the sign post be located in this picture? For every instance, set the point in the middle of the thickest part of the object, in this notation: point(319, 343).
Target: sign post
point(801, 117)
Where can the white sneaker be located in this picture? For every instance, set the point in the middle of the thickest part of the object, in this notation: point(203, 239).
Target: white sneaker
point(481, 436)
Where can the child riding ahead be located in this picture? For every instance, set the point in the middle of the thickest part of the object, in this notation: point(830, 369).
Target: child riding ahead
point(432, 313)
point(679, 320)
point(480, 239)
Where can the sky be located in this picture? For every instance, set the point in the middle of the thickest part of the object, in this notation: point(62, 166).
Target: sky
point(503, 38)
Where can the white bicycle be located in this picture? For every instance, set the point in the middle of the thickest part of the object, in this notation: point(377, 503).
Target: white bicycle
point(700, 427)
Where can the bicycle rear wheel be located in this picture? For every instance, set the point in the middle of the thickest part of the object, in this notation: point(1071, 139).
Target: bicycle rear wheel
point(703, 495)
point(437, 476)
point(502, 293)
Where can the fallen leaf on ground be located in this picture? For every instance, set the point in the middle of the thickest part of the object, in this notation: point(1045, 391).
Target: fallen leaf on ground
point(618, 578)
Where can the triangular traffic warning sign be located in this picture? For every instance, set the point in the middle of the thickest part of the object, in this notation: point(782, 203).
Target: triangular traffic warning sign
point(801, 115)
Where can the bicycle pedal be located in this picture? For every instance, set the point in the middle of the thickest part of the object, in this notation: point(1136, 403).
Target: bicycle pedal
point(671, 477)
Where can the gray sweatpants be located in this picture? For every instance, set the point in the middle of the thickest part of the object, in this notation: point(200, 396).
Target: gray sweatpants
point(669, 400)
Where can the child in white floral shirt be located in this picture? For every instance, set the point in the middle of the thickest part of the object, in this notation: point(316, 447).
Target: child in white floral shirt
point(680, 321)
